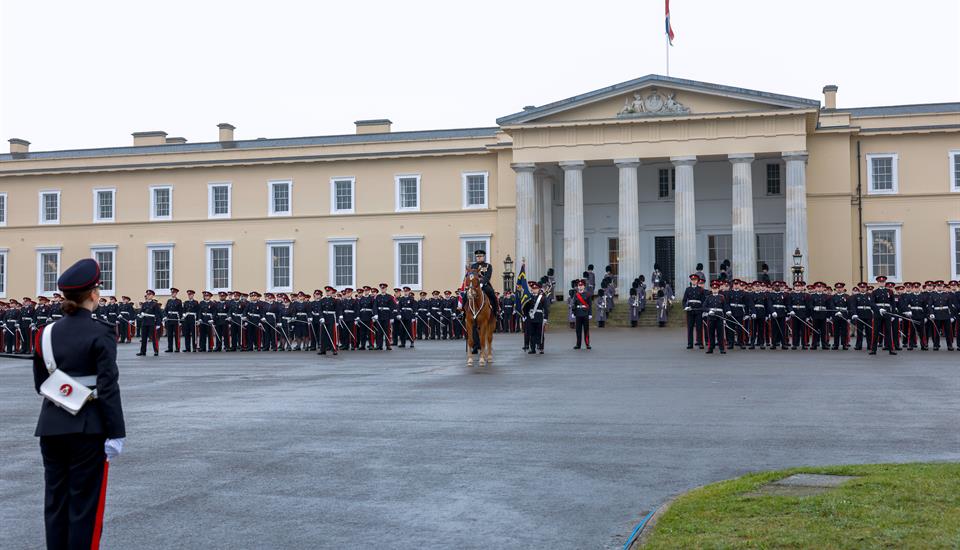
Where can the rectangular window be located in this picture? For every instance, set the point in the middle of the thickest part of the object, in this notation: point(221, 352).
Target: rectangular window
point(49, 207)
point(770, 252)
point(955, 250)
point(343, 268)
point(103, 205)
point(48, 270)
point(471, 244)
point(408, 263)
point(160, 268)
point(3, 273)
point(408, 193)
point(666, 182)
point(883, 251)
point(341, 195)
point(720, 248)
point(882, 174)
point(773, 179)
point(219, 272)
point(955, 170)
point(218, 200)
point(475, 190)
point(106, 257)
point(280, 203)
point(613, 254)
point(280, 266)
point(3, 209)
point(161, 203)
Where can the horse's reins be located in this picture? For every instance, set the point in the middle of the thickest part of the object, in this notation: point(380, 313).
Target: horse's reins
point(483, 300)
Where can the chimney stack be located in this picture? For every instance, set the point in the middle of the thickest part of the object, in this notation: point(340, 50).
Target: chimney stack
point(830, 96)
point(226, 131)
point(373, 126)
point(155, 137)
point(176, 140)
point(19, 146)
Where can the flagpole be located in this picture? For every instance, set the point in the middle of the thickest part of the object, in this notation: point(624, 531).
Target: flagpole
point(667, 44)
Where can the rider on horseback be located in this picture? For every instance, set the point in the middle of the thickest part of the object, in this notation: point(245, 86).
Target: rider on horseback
point(485, 271)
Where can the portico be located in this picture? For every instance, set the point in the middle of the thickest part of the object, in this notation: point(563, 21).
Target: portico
point(732, 162)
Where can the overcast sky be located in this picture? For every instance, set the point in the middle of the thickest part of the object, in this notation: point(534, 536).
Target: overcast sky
point(87, 74)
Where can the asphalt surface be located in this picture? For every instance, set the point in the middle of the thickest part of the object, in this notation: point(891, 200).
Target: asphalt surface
point(411, 449)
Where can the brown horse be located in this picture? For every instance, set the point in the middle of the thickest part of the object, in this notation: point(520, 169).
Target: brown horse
point(478, 312)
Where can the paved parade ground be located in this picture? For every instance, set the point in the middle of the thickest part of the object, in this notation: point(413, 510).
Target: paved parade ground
point(411, 449)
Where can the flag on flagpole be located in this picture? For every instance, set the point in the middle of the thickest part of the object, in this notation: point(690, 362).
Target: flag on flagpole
point(669, 27)
point(523, 290)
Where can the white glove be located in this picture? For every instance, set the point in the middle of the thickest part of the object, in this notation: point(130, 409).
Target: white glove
point(774, 314)
point(882, 311)
point(686, 308)
point(113, 447)
point(341, 317)
point(838, 314)
point(398, 318)
point(376, 317)
point(931, 315)
point(753, 315)
point(909, 314)
point(855, 317)
point(323, 320)
point(729, 314)
point(589, 317)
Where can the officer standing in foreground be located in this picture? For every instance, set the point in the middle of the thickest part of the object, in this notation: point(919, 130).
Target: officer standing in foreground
point(75, 447)
point(149, 316)
point(533, 312)
point(693, 304)
point(582, 313)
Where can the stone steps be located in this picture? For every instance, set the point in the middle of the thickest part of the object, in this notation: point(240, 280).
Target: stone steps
point(620, 316)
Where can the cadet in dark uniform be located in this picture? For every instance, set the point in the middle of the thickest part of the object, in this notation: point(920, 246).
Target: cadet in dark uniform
point(407, 318)
point(533, 312)
point(206, 314)
point(693, 305)
point(327, 325)
point(149, 316)
point(75, 447)
point(172, 311)
point(883, 306)
point(582, 313)
point(714, 308)
point(189, 322)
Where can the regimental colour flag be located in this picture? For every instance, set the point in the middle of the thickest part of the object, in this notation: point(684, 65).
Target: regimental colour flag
point(523, 290)
point(669, 28)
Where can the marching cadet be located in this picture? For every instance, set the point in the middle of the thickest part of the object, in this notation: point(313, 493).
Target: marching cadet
point(172, 312)
point(11, 327)
point(407, 317)
point(349, 308)
point(189, 322)
point(288, 326)
point(76, 447)
point(663, 309)
point(798, 306)
point(365, 305)
point(448, 306)
point(253, 318)
point(301, 321)
point(28, 323)
point(113, 315)
point(394, 321)
point(235, 310)
point(603, 305)
point(583, 313)
point(272, 322)
point(533, 312)
point(634, 303)
point(314, 309)
point(329, 312)
point(861, 313)
point(206, 315)
point(938, 311)
point(150, 313)
point(127, 319)
point(758, 316)
point(911, 308)
point(434, 314)
point(819, 304)
point(382, 316)
point(573, 290)
point(778, 317)
point(692, 302)
point(737, 308)
point(883, 305)
point(508, 306)
point(43, 312)
point(55, 307)
point(423, 322)
point(714, 307)
point(840, 305)
point(222, 321)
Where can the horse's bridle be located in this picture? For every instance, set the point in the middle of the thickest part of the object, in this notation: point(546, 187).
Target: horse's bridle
point(483, 298)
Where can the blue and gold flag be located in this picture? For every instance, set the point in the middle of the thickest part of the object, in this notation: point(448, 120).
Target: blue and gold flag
point(523, 290)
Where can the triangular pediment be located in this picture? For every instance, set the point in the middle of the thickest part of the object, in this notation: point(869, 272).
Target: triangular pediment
point(656, 96)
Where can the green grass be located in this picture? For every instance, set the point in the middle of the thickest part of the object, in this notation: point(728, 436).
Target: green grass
point(898, 506)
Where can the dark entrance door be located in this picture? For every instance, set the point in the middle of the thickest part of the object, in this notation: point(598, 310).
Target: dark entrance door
point(664, 256)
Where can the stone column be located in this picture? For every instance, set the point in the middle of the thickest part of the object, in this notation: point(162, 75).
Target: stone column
point(744, 239)
point(684, 223)
point(526, 240)
point(796, 234)
point(545, 197)
point(535, 261)
point(573, 255)
point(628, 235)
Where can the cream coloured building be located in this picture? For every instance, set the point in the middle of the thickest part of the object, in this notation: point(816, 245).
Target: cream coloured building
point(656, 169)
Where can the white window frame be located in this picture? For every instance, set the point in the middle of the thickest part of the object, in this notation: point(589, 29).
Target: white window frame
point(112, 248)
point(465, 237)
point(41, 210)
point(466, 193)
point(895, 172)
point(396, 191)
point(4, 210)
point(113, 204)
point(882, 226)
point(270, 198)
point(352, 241)
point(397, 241)
point(270, 286)
point(4, 253)
point(41, 250)
point(353, 195)
point(210, 245)
point(153, 206)
point(210, 214)
point(953, 226)
point(151, 283)
point(954, 157)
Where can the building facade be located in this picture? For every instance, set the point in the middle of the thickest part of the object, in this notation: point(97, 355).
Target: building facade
point(653, 170)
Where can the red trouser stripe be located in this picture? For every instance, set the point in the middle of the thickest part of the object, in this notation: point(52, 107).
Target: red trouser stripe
point(98, 524)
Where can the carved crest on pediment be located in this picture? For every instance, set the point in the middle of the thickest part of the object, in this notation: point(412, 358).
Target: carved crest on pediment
point(652, 103)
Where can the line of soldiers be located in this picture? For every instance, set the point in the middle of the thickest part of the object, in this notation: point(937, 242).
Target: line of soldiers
point(817, 316)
